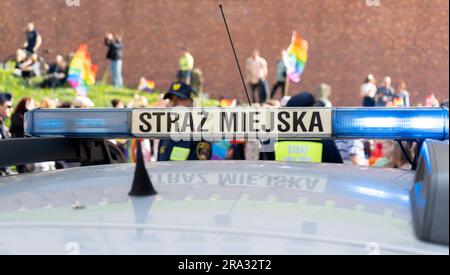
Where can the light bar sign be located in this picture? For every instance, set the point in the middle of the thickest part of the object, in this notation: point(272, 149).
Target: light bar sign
point(236, 123)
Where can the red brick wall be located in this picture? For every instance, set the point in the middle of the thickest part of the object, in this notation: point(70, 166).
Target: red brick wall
point(406, 39)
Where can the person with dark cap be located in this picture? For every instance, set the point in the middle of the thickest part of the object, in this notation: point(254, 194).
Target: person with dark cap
point(304, 99)
point(313, 151)
point(181, 95)
point(5, 112)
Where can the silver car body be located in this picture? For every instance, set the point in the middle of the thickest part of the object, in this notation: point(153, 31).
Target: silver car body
point(212, 208)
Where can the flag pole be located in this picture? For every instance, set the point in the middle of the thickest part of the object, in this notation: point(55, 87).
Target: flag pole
point(286, 86)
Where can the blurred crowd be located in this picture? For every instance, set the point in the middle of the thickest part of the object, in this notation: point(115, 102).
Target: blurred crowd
point(189, 85)
point(29, 63)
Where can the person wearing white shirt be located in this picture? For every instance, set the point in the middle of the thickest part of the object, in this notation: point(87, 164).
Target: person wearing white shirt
point(257, 72)
point(368, 91)
point(352, 152)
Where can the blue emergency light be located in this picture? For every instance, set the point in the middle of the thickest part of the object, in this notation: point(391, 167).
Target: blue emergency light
point(346, 123)
point(382, 123)
point(80, 123)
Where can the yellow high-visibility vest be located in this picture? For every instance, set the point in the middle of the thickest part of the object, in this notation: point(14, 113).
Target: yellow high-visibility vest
point(299, 151)
point(186, 62)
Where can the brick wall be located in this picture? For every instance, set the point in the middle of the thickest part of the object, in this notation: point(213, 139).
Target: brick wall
point(406, 39)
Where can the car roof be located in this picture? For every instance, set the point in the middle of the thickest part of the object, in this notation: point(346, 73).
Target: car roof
point(231, 207)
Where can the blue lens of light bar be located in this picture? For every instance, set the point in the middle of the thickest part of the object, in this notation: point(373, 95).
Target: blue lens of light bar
point(95, 123)
point(396, 123)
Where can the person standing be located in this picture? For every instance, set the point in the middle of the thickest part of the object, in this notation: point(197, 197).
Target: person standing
point(401, 97)
point(323, 93)
point(197, 81)
point(186, 65)
point(368, 91)
point(115, 55)
point(34, 40)
point(257, 72)
point(281, 72)
point(31, 46)
point(5, 112)
point(385, 93)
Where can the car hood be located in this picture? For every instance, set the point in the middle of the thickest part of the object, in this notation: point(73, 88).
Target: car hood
point(211, 208)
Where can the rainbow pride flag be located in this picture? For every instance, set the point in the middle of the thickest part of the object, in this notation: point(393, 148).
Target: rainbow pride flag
point(146, 85)
point(228, 102)
point(295, 57)
point(82, 72)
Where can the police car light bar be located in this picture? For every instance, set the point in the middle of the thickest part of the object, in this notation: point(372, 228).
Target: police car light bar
point(241, 123)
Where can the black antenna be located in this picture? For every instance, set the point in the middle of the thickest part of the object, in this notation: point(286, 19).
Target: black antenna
point(235, 55)
point(142, 185)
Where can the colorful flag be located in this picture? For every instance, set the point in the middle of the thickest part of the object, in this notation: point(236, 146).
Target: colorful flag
point(146, 85)
point(295, 57)
point(82, 72)
point(227, 102)
point(399, 102)
point(130, 150)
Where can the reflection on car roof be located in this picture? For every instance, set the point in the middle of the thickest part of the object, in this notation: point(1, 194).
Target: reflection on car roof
point(321, 206)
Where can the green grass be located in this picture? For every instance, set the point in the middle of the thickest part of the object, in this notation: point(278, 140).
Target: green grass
point(101, 94)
